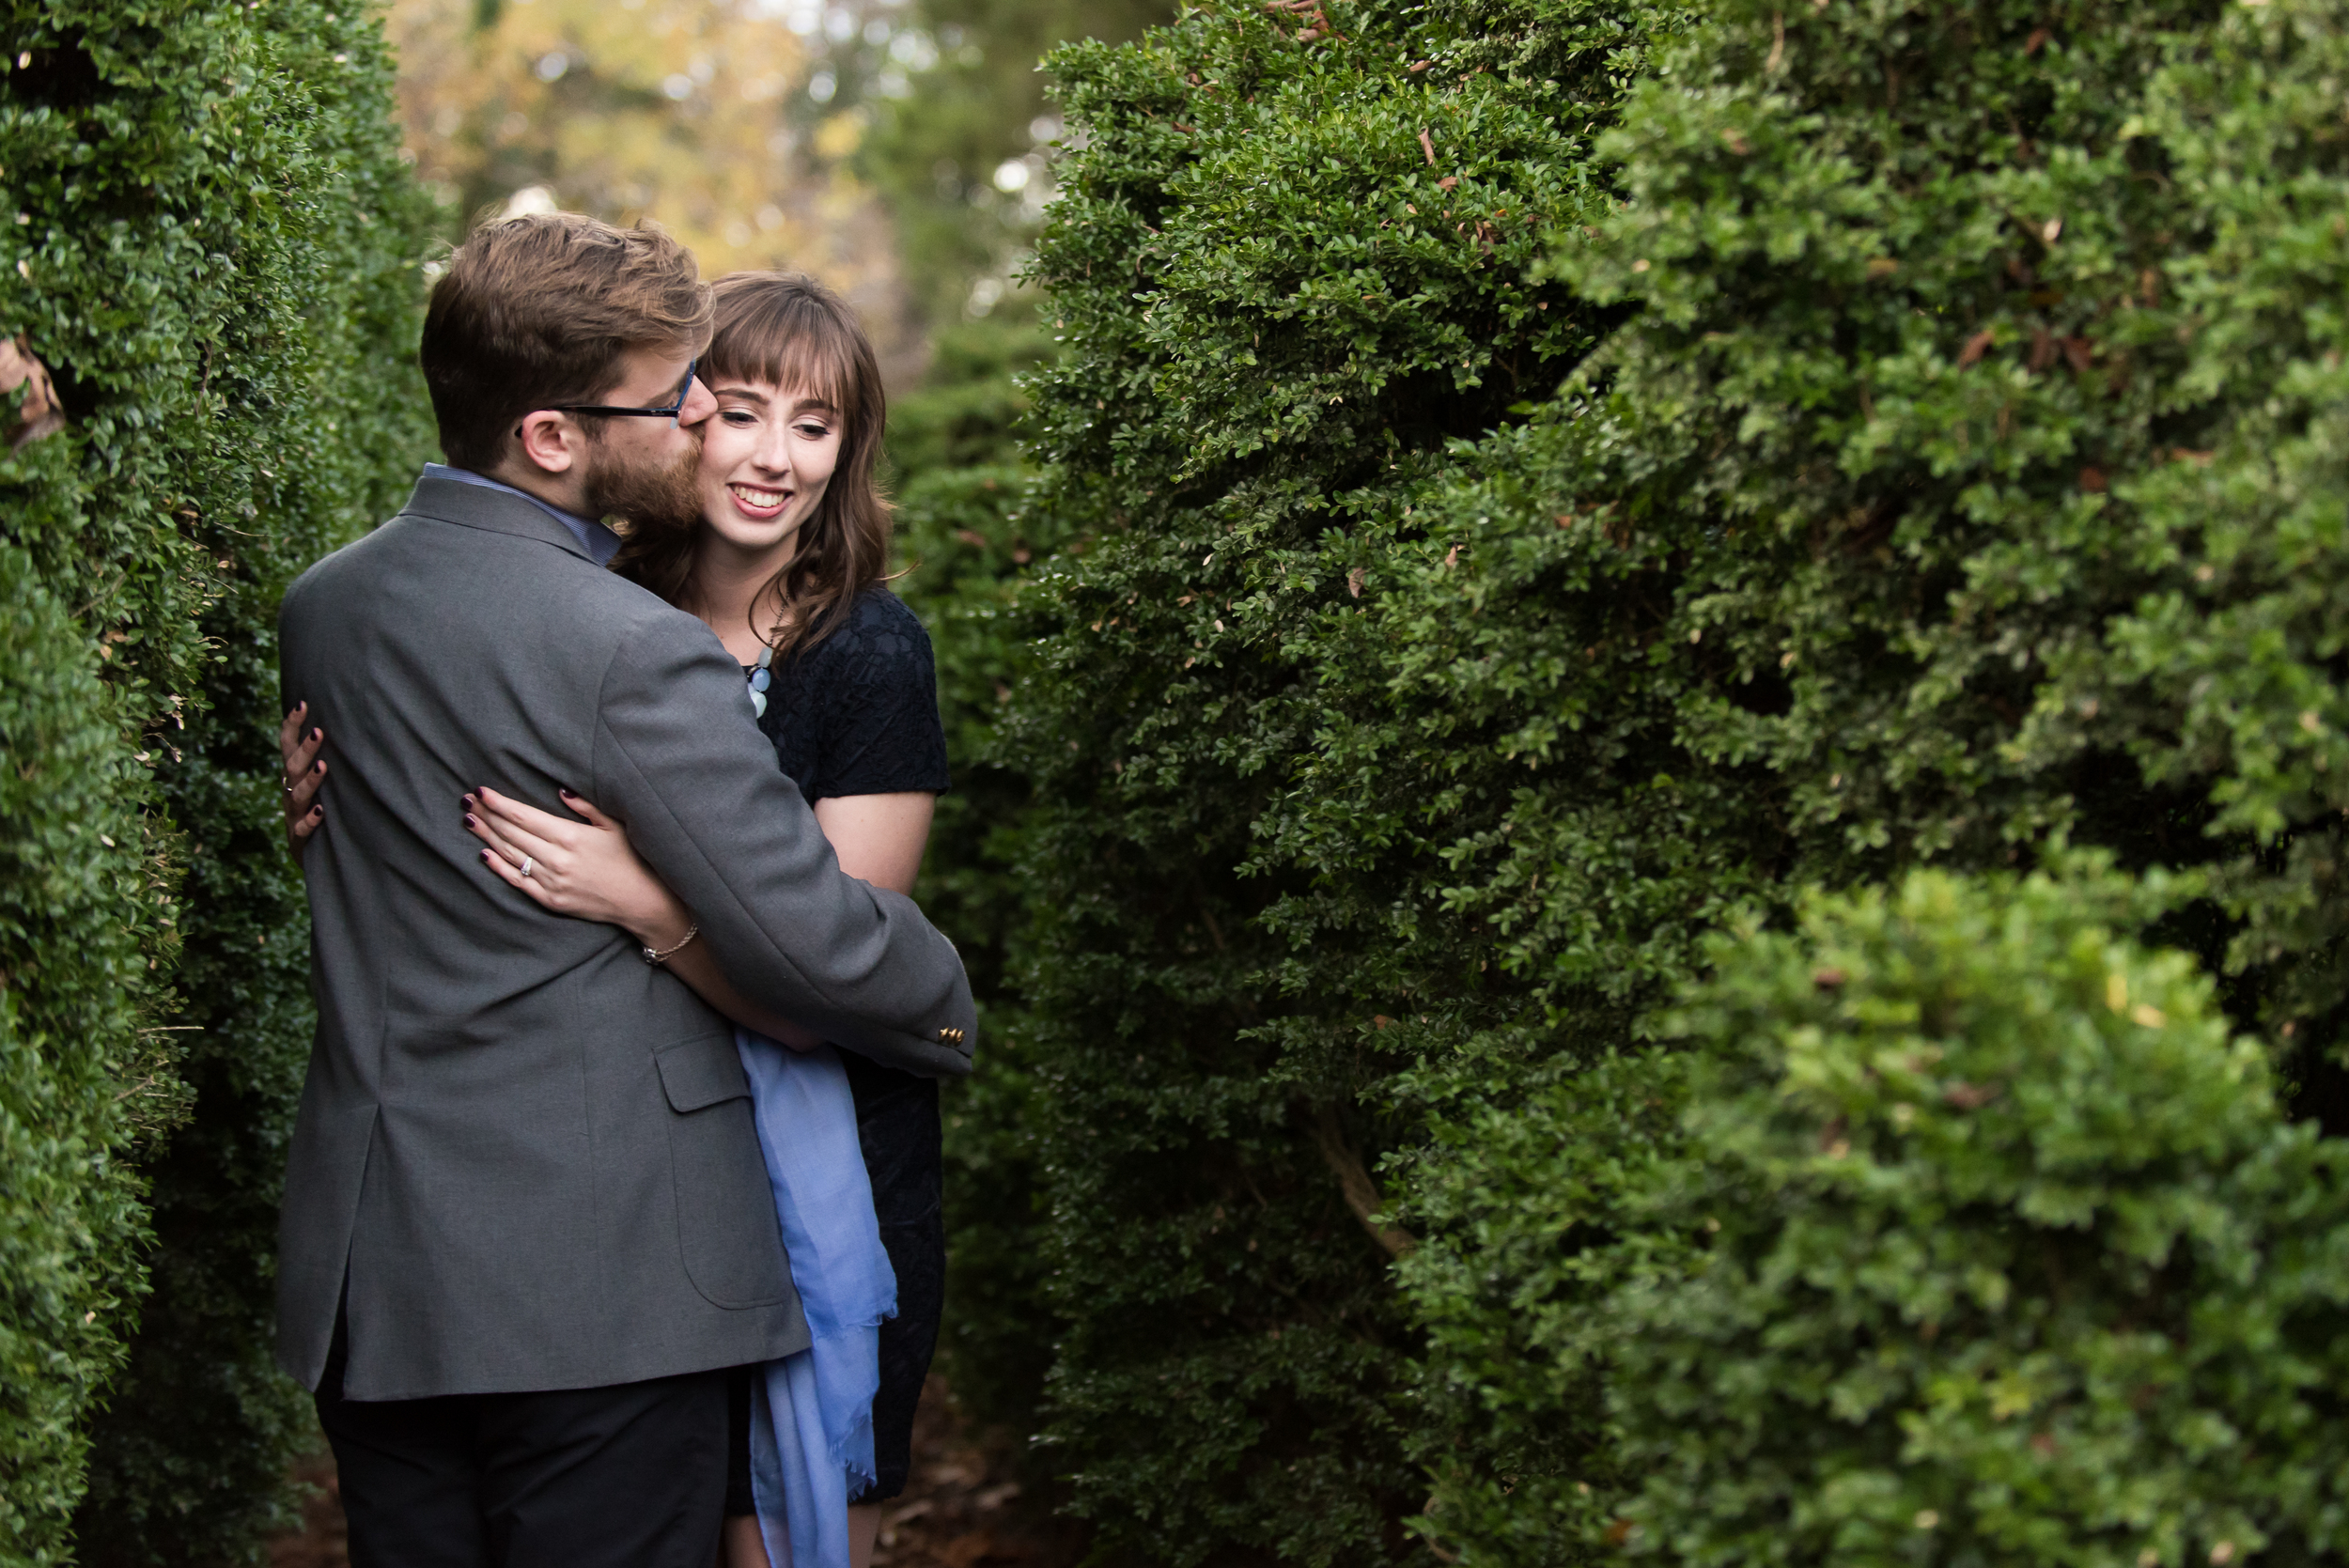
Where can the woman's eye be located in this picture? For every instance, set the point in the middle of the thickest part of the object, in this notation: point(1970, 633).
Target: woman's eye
point(812, 431)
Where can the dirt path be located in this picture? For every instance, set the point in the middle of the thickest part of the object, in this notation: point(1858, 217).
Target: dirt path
point(963, 1509)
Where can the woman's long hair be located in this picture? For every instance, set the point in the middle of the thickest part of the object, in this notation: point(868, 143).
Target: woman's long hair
point(793, 332)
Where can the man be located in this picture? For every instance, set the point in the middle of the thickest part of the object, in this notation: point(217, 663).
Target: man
point(527, 1226)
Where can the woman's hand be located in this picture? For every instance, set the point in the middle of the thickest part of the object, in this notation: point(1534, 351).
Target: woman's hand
point(305, 771)
point(587, 870)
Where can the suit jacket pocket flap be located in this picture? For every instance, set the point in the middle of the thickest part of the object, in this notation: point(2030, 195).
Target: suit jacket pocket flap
point(699, 1073)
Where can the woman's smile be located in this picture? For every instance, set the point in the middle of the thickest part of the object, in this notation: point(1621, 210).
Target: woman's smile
point(758, 502)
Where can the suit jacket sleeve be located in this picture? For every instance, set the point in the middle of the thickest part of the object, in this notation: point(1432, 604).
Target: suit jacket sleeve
point(679, 760)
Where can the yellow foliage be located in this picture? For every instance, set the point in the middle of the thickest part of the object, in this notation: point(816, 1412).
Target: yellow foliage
point(669, 110)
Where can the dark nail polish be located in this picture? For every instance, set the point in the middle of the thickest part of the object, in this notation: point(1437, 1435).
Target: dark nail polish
point(318, 735)
point(470, 822)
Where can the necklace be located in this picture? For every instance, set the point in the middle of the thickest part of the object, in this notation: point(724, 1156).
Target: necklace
point(762, 676)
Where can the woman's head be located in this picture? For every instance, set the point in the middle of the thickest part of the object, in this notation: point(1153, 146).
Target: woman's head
point(787, 461)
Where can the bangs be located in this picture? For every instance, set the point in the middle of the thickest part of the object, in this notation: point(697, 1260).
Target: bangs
point(785, 337)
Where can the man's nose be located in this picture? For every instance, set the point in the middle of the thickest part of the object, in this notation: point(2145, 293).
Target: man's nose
point(699, 405)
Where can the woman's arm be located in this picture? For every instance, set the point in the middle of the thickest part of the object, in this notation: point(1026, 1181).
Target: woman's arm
point(589, 871)
point(880, 839)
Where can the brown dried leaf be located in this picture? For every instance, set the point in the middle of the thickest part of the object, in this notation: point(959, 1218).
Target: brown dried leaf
point(38, 415)
point(965, 1551)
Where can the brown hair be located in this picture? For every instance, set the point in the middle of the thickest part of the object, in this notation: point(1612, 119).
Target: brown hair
point(536, 311)
point(793, 332)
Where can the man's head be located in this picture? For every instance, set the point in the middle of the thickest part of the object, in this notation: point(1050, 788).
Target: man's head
point(540, 315)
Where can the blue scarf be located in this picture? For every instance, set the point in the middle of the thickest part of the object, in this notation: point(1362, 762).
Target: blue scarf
point(812, 1413)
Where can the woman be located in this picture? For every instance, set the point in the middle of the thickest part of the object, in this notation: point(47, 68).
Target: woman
point(786, 568)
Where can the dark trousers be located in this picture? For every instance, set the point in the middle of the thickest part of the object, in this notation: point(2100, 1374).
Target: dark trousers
point(633, 1476)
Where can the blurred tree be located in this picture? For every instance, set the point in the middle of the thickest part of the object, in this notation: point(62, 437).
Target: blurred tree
point(695, 113)
point(954, 128)
point(964, 157)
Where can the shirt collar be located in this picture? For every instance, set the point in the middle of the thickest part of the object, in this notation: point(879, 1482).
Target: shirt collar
point(600, 542)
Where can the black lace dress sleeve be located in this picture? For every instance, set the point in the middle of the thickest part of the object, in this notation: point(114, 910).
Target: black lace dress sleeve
point(857, 714)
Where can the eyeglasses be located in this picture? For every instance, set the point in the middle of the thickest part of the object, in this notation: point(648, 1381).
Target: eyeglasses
point(671, 411)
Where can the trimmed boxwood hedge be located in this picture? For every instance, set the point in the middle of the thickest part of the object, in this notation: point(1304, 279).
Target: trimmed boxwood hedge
point(1542, 485)
point(212, 241)
point(1263, 340)
point(1984, 1238)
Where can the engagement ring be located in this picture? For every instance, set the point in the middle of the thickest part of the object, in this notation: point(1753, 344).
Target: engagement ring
point(525, 865)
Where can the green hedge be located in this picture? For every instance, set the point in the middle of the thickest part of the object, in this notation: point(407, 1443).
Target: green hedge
point(968, 531)
point(1985, 1241)
point(76, 899)
point(1229, 1348)
point(213, 243)
point(1895, 534)
point(1543, 482)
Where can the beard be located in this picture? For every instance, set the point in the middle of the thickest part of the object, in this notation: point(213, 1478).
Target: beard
point(647, 497)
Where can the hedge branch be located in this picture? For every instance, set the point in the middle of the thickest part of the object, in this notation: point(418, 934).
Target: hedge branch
point(1354, 1183)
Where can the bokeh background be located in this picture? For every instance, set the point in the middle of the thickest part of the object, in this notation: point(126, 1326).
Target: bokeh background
point(901, 151)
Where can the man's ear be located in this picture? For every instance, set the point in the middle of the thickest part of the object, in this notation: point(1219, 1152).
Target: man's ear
point(550, 442)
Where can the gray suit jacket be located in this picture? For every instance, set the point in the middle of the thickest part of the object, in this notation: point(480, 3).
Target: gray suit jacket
point(525, 1158)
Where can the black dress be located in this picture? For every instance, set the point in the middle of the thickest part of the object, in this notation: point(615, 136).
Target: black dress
point(857, 714)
